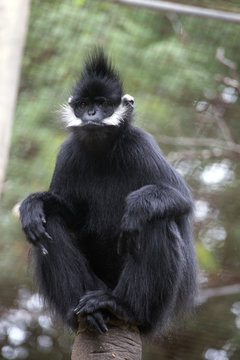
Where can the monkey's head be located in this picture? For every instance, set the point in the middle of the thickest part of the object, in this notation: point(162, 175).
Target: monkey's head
point(97, 99)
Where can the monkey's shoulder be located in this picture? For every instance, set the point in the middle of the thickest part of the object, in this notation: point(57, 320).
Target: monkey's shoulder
point(141, 147)
point(147, 158)
point(136, 139)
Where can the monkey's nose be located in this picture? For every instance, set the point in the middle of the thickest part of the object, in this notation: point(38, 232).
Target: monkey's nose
point(91, 112)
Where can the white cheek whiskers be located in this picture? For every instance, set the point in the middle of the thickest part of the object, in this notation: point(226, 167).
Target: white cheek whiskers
point(68, 116)
point(121, 112)
point(117, 117)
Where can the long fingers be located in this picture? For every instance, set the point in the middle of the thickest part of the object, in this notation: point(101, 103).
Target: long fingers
point(91, 297)
point(96, 321)
point(36, 233)
point(94, 304)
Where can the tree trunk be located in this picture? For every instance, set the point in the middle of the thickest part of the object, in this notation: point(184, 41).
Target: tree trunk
point(14, 16)
point(121, 342)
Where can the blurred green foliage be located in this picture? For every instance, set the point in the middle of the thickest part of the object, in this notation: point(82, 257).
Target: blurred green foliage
point(169, 64)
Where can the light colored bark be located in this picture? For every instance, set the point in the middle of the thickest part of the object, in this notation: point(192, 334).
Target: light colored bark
point(14, 16)
point(121, 342)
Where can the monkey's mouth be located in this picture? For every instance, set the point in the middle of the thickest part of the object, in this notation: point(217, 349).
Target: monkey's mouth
point(92, 124)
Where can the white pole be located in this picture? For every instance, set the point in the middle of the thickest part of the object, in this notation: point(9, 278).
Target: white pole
point(166, 6)
point(14, 16)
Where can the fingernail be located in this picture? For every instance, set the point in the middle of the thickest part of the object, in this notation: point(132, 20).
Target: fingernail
point(48, 236)
point(43, 250)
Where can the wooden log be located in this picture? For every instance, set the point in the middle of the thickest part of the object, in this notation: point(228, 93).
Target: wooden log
point(121, 342)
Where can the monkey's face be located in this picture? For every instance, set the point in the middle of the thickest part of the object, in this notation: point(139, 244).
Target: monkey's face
point(93, 101)
point(97, 104)
point(92, 111)
point(98, 113)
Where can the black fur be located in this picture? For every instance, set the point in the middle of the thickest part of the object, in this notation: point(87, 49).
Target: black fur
point(99, 78)
point(113, 233)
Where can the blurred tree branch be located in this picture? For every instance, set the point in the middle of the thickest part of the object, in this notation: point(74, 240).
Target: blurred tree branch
point(202, 142)
point(212, 113)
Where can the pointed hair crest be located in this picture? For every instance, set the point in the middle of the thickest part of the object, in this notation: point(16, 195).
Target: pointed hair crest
point(99, 78)
point(98, 65)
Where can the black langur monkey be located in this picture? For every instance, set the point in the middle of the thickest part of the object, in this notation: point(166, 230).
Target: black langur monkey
point(112, 236)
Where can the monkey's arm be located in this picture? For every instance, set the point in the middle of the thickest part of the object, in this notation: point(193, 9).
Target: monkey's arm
point(148, 203)
point(34, 209)
point(33, 216)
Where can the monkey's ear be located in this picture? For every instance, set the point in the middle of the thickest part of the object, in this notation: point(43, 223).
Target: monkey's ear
point(70, 100)
point(128, 100)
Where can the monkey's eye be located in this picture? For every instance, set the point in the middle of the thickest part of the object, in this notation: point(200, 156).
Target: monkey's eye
point(103, 103)
point(83, 105)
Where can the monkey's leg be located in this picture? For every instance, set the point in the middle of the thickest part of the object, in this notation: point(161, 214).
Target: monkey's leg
point(148, 286)
point(64, 275)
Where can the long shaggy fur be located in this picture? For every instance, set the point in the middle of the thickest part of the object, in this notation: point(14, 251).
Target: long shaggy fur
point(115, 224)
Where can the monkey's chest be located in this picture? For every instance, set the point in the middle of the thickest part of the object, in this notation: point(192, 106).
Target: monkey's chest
point(104, 197)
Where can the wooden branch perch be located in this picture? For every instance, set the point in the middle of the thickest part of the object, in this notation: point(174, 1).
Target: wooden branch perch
point(121, 342)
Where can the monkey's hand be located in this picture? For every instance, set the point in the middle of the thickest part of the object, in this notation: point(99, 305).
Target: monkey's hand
point(92, 316)
point(33, 221)
point(93, 301)
point(94, 320)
